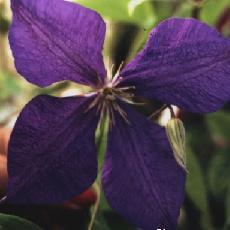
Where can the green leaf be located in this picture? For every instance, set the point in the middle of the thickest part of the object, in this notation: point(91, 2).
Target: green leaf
point(212, 10)
point(219, 125)
point(114, 221)
point(219, 172)
point(109, 220)
point(196, 190)
point(8, 222)
point(139, 12)
point(227, 222)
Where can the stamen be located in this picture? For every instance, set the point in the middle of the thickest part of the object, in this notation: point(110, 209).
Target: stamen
point(106, 99)
point(93, 103)
point(131, 101)
point(126, 88)
point(111, 117)
point(99, 107)
point(116, 76)
point(121, 112)
point(109, 107)
point(104, 110)
point(3, 199)
point(110, 73)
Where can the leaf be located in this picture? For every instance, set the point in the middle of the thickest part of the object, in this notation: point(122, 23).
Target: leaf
point(8, 222)
point(196, 190)
point(219, 125)
point(212, 9)
point(219, 172)
point(115, 222)
point(109, 220)
point(139, 12)
point(227, 223)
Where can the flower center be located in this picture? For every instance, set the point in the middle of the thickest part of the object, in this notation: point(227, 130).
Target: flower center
point(108, 94)
point(122, 93)
point(108, 97)
point(107, 101)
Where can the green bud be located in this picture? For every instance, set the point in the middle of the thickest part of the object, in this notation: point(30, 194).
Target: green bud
point(176, 135)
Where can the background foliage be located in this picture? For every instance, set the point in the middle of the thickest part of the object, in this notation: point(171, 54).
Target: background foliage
point(207, 201)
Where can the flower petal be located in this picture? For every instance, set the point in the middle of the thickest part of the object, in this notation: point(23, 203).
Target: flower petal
point(52, 154)
point(141, 178)
point(54, 40)
point(185, 63)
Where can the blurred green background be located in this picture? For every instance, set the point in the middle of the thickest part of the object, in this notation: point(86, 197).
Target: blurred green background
point(207, 201)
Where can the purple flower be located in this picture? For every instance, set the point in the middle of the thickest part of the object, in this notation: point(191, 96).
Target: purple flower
point(52, 153)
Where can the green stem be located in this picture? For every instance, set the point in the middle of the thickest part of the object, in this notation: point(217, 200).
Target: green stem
point(97, 188)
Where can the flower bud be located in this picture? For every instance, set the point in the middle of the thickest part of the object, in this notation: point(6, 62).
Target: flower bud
point(176, 135)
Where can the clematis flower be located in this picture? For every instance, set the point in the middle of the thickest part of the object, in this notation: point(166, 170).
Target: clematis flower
point(52, 153)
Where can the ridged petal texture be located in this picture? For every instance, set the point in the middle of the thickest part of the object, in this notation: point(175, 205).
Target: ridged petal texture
point(54, 40)
point(141, 178)
point(52, 153)
point(185, 63)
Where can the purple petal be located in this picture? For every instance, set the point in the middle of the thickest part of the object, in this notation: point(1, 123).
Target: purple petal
point(52, 154)
point(54, 40)
point(185, 63)
point(141, 178)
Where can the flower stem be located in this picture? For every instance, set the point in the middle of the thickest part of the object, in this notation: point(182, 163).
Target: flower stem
point(158, 111)
point(97, 188)
point(171, 111)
